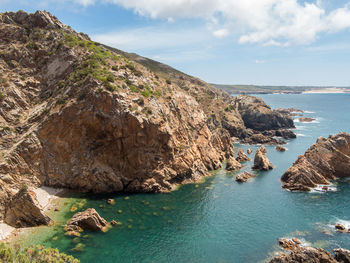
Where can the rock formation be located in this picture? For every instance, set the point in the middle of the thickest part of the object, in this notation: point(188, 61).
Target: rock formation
point(241, 156)
point(233, 165)
point(244, 177)
point(342, 255)
point(304, 119)
point(305, 254)
point(261, 162)
point(24, 210)
point(280, 148)
point(81, 115)
point(87, 220)
point(249, 151)
point(325, 160)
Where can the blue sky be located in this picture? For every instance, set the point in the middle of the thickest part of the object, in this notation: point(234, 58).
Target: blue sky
point(266, 42)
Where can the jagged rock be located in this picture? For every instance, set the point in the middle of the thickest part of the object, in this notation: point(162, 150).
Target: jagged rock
point(259, 138)
point(342, 255)
point(258, 116)
point(241, 156)
point(244, 177)
point(306, 119)
point(280, 148)
point(87, 220)
point(249, 151)
point(305, 254)
point(261, 162)
point(286, 134)
point(289, 244)
point(233, 165)
point(326, 160)
point(24, 210)
point(340, 227)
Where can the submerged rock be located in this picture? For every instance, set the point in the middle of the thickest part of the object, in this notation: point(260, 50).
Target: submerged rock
point(261, 162)
point(244, 177)
point(233, 165)
point(326, 160)
point(87, 220)
point(241, 156)
point(24, 210)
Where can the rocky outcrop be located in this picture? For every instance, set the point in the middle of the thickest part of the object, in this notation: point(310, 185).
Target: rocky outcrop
point(342, 255)
point(244, 177)
point(249, 151)
point(261, 162)
point(258, 116)
point(233, 165)
point(305, 254)
point(24, 210)
point(242, 157)
point(259, 138)
point(306, 119)
point(326, 160)
point(280, 148)
point(87, 220)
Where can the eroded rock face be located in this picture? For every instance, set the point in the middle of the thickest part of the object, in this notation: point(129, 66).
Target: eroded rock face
point(87, 220)
point(261, 162)
point(233, 165)
point(305, 254)
point(326, 160)
point(242, 157)
point(244, 177)
point(258, 116)
point(24, 210)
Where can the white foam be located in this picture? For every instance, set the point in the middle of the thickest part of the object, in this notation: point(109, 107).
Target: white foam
point(301, 135)
point(318, 188)
point(309, 111)
point(301, 128)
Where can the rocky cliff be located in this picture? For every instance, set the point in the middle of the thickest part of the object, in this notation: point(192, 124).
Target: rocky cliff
point(325, 160)
point(80, 115)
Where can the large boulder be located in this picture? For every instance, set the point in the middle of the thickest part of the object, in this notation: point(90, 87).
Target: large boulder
point(261, 162)
point(342, 255)
point(325, 160)
point(24, 210)
point(242, 157)
point(244, 177)
point(87, 220)
point(233, 165)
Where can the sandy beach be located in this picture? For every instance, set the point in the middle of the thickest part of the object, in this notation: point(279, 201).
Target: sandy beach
point(327, 90)
point(45, 195)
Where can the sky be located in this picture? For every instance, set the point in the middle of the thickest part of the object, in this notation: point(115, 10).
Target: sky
point(261, 42)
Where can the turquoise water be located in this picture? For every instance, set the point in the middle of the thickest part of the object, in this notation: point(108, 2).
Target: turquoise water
point(220, 220)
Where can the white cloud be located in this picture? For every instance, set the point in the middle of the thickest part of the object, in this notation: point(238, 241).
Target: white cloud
point(152, 38)
point(221, 33)
point(269, 22)
point(259, 61)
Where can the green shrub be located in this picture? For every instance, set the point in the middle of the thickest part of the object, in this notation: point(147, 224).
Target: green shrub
point(110, 78)
point(115, 68)
point(2, 96)
point(133, 88)
point(32, 45)
point(168, 81)
point(146, 93)
point(33, 254)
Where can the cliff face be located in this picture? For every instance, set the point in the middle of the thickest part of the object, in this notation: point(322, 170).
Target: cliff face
point(325, 160)
point(76, 114)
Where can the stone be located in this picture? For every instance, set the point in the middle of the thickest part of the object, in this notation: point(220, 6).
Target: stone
point(249, 151)
point(342, 255)
point(340, 227)
point(113, 222)
point(261, 162)
point(326, 160)
point(280, 148)
point(87, 220)
point(305, 254)
point(244, 177)
point(306, 119)
point(111, 201)
point(289, 244)
point(24, 210)
point(233, 165)
point(241, 156)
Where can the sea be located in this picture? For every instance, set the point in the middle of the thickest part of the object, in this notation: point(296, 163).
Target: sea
point(218, 219)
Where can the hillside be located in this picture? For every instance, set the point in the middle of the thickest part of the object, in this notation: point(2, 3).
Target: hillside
point(80, 115)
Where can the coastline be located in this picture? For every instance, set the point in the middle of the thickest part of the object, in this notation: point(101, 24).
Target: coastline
point(327, 91)
point(45, 195)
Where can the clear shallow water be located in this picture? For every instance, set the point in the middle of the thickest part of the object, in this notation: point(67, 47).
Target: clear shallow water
point(220, 220)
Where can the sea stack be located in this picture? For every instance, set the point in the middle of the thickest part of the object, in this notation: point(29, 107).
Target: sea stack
point(261, 162)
